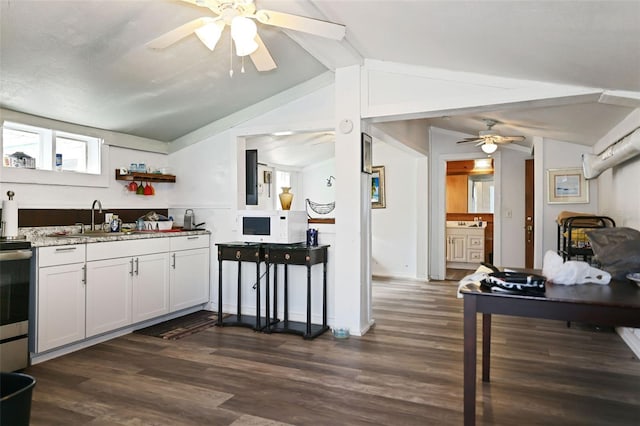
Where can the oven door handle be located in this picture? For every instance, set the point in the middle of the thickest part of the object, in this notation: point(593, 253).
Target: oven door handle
point(9, 255)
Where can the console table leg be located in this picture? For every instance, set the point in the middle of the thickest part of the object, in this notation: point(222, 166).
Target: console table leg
point(257, 295)
point(308, 334)
point(486, 346)
point(219, 291)
point(239, 302)
point(324, 294)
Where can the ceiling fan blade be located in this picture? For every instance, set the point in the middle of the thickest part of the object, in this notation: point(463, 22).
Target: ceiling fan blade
point(509, 139)
point(469, 140)
point(175, 35)
point(261, 57)
point(301, 23)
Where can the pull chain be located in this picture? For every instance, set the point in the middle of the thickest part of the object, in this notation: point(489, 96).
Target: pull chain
point(230, 58)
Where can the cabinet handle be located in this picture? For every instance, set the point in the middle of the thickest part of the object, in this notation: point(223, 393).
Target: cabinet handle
point(193, 238)
point(65, 249)
point(131, 270)
point(173, 263)
point(84, 275)
point(136, 266)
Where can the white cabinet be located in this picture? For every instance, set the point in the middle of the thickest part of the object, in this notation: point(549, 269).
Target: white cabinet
point(84, 290)
point(108, 295)
point(465, 245)
point(61, 296)
point(190, 258)
point(150, 286)
point(125, 290)
point(456, 248)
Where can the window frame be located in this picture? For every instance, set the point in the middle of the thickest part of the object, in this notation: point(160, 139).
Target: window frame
point(97, 152)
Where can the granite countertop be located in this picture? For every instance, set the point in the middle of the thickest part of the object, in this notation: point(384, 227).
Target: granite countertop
point(58, 236)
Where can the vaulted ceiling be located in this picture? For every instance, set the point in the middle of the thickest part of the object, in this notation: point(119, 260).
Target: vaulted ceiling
point(87, 62)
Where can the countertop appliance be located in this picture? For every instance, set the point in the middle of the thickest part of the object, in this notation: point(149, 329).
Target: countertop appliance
point(15, 270)
point(273, 226)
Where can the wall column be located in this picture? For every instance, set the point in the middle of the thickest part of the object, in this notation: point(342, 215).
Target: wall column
point(352, 297)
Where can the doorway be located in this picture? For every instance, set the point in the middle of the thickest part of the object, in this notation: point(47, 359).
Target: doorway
point(469, 215)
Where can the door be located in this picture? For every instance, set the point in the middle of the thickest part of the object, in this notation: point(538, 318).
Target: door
point(189, 278)
point(528, 211)
point(61, 303)
point(150, 286)
point(108, 294)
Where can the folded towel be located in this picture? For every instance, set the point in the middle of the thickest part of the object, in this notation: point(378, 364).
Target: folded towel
point(480, 274)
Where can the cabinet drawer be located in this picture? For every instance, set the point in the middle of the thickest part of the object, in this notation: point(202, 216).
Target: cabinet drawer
point(189, 242)
point(241, 254)
point(475, 256)
point(126, 248)
point(61, 255)
point(476, 242)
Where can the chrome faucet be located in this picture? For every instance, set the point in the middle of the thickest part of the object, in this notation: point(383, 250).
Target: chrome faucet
point(93, 213)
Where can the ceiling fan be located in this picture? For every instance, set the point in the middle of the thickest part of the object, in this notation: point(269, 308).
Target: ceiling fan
point(240, 17)
point(490, 139)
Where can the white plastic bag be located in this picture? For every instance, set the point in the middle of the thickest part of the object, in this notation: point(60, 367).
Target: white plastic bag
point(571, 271)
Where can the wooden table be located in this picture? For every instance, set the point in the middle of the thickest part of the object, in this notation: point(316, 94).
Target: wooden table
point(302, 255)
point(616, 304)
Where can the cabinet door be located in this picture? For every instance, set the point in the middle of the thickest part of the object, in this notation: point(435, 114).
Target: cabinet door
point(189, 278)
point(150, 296)
point(108, 295)
point(458, 248)
point(61, 291)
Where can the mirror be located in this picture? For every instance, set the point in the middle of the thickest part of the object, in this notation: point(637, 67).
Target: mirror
point(470, 186)
point(480, 193)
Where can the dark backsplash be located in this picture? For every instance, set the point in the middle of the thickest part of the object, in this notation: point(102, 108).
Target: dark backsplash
point(66, 217)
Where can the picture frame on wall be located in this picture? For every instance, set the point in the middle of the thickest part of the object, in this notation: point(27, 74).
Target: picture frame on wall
point(378, 200)
point(367, 142)
point(567, 186)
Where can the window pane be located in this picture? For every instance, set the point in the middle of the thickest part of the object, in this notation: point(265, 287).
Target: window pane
point(16, 141)
point(74, 154)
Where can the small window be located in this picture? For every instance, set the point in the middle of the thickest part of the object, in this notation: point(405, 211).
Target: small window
point(33, 147)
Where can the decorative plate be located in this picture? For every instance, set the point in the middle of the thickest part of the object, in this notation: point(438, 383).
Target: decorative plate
point(634, 277)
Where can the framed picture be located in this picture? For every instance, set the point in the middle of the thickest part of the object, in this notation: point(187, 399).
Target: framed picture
point(366, 153)
point(377, 188)
point(567, 186)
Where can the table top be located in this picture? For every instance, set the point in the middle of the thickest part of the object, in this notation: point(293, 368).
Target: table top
point(294, 246)
point(619, 293)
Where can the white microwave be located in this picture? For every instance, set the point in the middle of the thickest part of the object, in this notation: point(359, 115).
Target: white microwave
point(273, 226)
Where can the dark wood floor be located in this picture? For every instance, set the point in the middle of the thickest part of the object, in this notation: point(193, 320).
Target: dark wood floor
point(406, 371)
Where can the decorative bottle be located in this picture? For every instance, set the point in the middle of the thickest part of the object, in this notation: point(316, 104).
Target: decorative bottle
point(285, 198)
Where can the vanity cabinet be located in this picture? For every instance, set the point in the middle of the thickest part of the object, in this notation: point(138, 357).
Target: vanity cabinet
point(189, 273)
point(465, 245)
point(61, 296)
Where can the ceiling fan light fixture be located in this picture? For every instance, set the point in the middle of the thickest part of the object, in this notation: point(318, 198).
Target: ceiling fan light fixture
point(489, 147)
point(210, 34)
point(243, 32)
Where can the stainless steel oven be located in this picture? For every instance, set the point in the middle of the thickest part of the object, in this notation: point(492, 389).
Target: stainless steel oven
point(15, 272)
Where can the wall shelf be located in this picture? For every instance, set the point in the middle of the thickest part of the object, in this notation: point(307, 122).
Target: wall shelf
point(146, 177)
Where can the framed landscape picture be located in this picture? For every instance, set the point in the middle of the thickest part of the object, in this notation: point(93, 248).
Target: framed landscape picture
point(377, 188)
point(567, 186)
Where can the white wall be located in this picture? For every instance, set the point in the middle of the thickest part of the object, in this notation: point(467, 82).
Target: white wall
point(560, 155)
point(393, 229)
point(314, 185)
point(618, 194)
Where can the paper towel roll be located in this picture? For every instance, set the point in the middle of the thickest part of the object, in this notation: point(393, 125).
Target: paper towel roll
point(9, 218)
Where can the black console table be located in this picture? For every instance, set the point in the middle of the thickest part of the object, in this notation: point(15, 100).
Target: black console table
point(241, 252)
point(303, 255)
point(274, 254)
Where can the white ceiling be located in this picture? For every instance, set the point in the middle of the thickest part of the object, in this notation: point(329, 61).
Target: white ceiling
point(86, 62)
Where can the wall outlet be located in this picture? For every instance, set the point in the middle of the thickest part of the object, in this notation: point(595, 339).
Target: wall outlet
point(508, 213)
